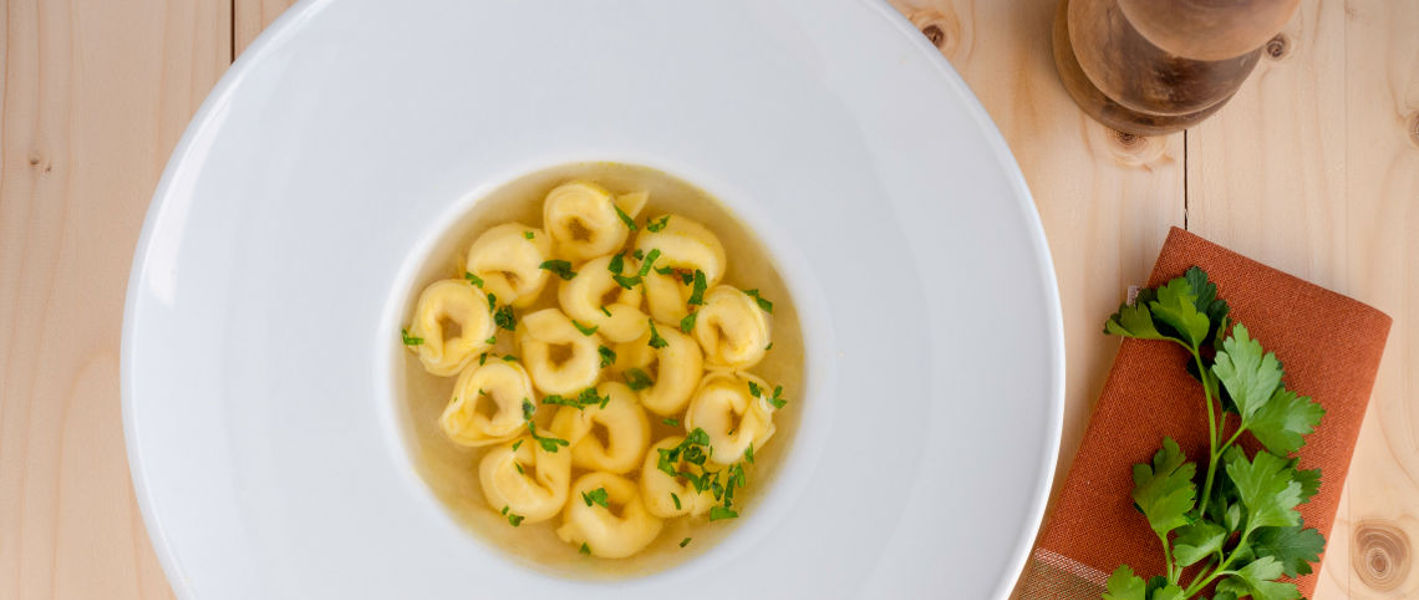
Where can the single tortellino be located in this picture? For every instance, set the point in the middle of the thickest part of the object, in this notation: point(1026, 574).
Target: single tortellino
point(620, 530)
point(684, 246)
point(581, 217)
point(561, 359)
point(666, 496)
point(504, 384)
point(529, 480)
point(677, 368)
point(732, 329)
point(456, 302)
point(509, 261)
point(594, 299)
point(627, 431)
point(731, 414)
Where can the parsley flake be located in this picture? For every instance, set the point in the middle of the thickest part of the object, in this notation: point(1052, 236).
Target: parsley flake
point(718, 512)
point(492, 339)
point(671, 421)
point(516, 519)
point(697, 295)
point(617, 264)
point(684, 542)
point(608, 356)
point(625, 218)
point(586, 550)
point(688, 323)
point(410, 340)
point(473, 279)
point(656, 341)
point(586, 331)
point(560, 268)
point(764, 304)
point(637, 379)
point(648, 262)
point(658, 224)
point(596, 496)
point(604, 311)
point(528, 234)
point(675, 499)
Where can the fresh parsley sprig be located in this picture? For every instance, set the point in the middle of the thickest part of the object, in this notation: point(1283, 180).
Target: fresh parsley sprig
point(1242, 531)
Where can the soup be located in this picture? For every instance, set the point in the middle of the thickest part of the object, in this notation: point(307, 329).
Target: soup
point(603, 370)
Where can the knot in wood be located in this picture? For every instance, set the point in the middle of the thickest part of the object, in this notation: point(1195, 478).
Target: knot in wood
point(1379, 554)
point(1278, 46)
point(1414, 128)
point(943, 29)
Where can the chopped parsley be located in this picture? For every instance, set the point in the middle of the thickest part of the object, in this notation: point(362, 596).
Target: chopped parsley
point(637, 379)
point(587, 331)
point(769, 347)
point(482, 358)
point(675, 499)
point(648, 262)
point(587, 397)
point(549, 444)
point(765, 305)
point(492, 301)
point(586, 550)
point(560, 268)
point(516, 520)
point(638, 254)
point(777, 400)
point(656, 341)
point(596, 496)
point(754, 389)
point(608, 356)
point(505, 318)
point(749, 454)
point(516, 445)
point(626, 282)
point(718, 512)
point(617, 264)
point(684, 542)
point(688, 323)
point(697, 295)
point(410, 340)
point(473, 279)
point(604, 311)
point(671, 421)
point(504, 509)
point(625, 218)
point(528, 234)
point(658, 224)
point(528, 409)
point(492, 339)
point(519, 468)
point(509, 357)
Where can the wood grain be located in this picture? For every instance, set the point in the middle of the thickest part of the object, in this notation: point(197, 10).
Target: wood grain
point(1315, 169)
point(95, 96)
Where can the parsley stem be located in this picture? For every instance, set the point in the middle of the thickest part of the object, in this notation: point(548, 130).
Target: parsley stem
point(1168, 558)
point(1212, 433)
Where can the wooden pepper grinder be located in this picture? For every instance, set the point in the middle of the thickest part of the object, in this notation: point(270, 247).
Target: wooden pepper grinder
point(1150, 67)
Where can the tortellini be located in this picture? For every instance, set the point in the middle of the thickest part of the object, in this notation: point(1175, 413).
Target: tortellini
point(529, 481)
point(638, 364)
point(508, 258)
point(627, 431)
point(594, 298)
point(666, 496)
point(615, 531)
point(732, 329)
point(685, 246)
point(455, 302)
point(678, 366)
point(726, 409)
point(505, 385)
point(582, 218)
point(561, 359)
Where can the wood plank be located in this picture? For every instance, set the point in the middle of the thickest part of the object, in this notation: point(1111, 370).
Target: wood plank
point(95, 96)
point(1106, 199)
point(251, 18)
point(1314, 168)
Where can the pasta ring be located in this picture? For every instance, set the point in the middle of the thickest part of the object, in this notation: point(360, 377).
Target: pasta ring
point(538, 491)
point(502, 383)
point(658, 486)
point(678, 366)
point(627, 431)
point(581, 217)
point(510, 263)
point(584, 297)
point(606, 533)
point(731, 415)
point(684, 245)
point(732, 329)
point(456, 301)
point(561, 359)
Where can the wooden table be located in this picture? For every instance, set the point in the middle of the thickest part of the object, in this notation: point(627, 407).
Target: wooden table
point(1312, 168)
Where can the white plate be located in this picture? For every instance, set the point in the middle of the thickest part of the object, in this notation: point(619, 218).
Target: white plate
point(263, 296)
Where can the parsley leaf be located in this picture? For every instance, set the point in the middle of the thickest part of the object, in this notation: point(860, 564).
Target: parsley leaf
point(617, 264)
point(505, 318)
point(596, 496)
point(1198, 541)
point(697, 294)
point(410, 340)
point(777, 400)
point(1164, 491)
point(688, 323)
point(719, 512)
point(656, 341)
point(764, 305)
point(637, 379)
point(586, 331)
point(1208, 303)
point(608, 356)
point(1255, 580)
point(560, 268)
point(625, 218)
point(1296, 548)
point(1133, 320)
point(1177, 306)
point(1124, 585)
point(473, 279)
point(1280, 423)
point(1266, 488)
point(658, 224)
point(1249, 374)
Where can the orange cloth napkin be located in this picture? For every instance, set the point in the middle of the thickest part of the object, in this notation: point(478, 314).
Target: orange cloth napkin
point(1330, 346)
